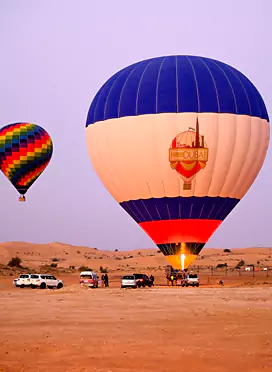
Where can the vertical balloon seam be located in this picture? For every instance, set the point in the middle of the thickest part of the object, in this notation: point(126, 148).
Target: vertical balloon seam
point(216, 151)
point(157, 84)
point(177, 95)
point(214, 83)
point(231, 161)
point(124, 85)
point(196, 85)
point(244, 163)
point(233, 93)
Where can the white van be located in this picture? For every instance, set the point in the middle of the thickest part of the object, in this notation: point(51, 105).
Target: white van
point(89, 278)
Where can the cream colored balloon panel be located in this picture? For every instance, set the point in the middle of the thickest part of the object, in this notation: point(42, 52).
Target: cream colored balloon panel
point(242, 142)
point(100, 156)
point(251, 161)
point(223, 153)
point(208, 127)
point(131, 155)
point(260, 148)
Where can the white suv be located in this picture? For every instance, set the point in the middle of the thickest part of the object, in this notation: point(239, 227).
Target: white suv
point(128, 281)
point(45, 281)
point(22, 281)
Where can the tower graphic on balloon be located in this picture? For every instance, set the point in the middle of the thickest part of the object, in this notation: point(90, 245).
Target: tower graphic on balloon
point(25, 151)
point(188, 155)
point(178, 141)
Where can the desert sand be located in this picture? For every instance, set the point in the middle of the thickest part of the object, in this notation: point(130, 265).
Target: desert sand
point(160, 329)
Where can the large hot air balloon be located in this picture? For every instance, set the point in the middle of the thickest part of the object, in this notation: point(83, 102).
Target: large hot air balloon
point(178, 141)
point(25, 151)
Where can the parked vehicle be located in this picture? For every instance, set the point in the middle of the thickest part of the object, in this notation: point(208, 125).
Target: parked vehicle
point(37, 280)
point(142, 280)
point(43, 281)
point(191, 280)
point(89, 278)
point(128, 281)
point(22, 281)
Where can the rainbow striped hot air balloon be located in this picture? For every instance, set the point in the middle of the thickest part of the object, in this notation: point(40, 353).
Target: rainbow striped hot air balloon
point(25, 151)
point(178, 141)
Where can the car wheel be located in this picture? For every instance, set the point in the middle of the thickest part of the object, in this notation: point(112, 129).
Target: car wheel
point(22, 286)
point(59, 286)
point(43, 286)
point(33, 286)
point(197, 284)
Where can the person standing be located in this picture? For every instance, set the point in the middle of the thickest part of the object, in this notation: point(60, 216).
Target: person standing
point(106, 280)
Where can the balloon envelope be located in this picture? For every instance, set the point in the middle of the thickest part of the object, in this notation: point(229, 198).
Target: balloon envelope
point(178, 141)
point(25, 151)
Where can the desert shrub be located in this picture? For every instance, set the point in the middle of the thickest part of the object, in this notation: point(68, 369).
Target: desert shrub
point(15, 262)
point(103, 270)
point(241, 263)
point(55, 259)
point(227, 250)
point(53, 265)
point(116, 250)
point(72, 267)
point(158, 251)
point(221, 265)
point(84, 268)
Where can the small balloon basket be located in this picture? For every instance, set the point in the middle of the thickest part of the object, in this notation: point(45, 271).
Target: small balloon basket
point(22, 198)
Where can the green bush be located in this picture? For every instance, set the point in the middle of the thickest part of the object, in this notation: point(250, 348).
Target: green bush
point(103, 270)
point(15, 262)
point(84, 268)
point(55, 259)
point(53, 265)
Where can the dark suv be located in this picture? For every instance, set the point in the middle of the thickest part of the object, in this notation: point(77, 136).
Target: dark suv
point(142, 280)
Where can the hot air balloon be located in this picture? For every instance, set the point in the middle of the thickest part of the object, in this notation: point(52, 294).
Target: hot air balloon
point(25, 151)
point(178, 141)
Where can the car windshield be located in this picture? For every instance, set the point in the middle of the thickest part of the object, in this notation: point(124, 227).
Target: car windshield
point(192, 276)
point(129, 277)
point(34, 276)
point(23, 276)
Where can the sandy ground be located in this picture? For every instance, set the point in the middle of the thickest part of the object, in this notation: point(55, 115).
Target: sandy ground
point(160, 329)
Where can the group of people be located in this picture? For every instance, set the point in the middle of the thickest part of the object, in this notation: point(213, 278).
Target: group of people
point(173, 277)
point(105, 280)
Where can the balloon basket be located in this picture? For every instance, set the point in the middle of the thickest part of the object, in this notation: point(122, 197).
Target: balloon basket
point(187, 186)
point(22, 199)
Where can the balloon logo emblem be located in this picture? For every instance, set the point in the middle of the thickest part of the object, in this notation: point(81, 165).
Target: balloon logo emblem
point(188, 155)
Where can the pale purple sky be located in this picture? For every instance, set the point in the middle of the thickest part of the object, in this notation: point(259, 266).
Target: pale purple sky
point(54, 57)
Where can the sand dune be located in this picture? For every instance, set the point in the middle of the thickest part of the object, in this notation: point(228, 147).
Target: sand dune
point(65, 255)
